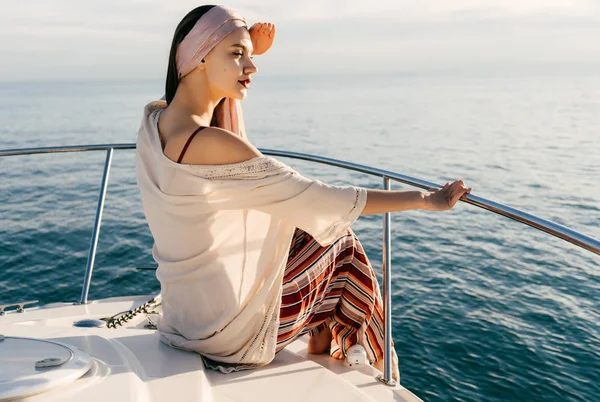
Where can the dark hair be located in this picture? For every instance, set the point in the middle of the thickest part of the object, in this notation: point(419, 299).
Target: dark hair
point(184, 27)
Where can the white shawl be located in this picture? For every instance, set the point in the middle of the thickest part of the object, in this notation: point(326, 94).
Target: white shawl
point(221, 240)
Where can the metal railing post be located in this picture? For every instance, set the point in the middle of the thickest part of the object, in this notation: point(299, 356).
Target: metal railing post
point(386, 265)
point(94, 241)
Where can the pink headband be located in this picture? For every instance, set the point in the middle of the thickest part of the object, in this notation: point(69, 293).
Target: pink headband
point(209, 30)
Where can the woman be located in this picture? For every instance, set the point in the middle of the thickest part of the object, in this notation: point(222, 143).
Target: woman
point(250, 253)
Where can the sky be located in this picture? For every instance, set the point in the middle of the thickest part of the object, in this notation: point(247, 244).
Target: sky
point(130, 39)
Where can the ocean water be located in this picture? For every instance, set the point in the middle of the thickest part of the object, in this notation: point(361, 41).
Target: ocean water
point(484, 308)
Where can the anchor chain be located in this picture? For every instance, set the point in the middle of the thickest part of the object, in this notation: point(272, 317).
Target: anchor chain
point(120, 318)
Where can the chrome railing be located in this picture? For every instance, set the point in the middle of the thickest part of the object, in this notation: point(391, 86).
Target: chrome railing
point(87, 280)
point(560, 231)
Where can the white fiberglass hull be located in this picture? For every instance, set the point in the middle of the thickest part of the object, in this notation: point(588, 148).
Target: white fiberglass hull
point(131, 364)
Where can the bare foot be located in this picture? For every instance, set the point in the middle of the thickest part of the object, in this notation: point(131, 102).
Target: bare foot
point(379, 365)
point(320, 343)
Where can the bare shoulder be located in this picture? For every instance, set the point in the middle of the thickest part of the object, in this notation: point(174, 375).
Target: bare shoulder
point(211, 146)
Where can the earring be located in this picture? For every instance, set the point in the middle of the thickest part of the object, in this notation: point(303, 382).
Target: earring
point(203, 61)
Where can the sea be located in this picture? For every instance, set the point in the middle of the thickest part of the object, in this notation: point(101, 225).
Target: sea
point(484, 307)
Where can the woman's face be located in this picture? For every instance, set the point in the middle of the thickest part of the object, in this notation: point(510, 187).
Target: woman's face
point(229, 64)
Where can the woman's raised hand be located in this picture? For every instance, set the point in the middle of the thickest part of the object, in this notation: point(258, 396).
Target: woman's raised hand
point(443, 199)
point(262, 35)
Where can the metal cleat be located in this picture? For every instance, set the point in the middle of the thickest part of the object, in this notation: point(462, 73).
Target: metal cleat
point(20, 306)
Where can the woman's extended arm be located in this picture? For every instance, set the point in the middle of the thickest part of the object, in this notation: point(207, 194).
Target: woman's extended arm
point(440, 199)
point(217, 146)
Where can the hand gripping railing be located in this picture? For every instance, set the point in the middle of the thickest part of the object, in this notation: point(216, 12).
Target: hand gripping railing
point(560, 231)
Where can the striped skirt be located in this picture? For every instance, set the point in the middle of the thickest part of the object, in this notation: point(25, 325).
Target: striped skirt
point(332, 286)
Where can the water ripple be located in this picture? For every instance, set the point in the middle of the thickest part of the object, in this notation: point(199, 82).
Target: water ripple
point(483, 307)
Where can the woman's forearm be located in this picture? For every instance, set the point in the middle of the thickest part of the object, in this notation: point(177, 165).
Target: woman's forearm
point(381, 201)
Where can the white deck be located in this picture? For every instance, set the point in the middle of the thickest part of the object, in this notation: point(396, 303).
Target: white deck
point(130, 364)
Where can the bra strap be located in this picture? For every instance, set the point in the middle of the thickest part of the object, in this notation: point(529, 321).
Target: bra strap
point(187, 144)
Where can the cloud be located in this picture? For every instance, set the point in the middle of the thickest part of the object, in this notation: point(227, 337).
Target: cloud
point(402, 10)
point(120, 39)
